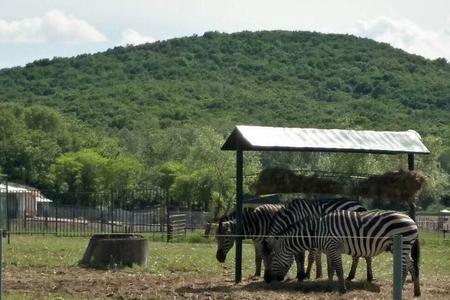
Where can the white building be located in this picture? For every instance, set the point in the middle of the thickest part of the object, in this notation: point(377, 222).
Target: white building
point(23, 201)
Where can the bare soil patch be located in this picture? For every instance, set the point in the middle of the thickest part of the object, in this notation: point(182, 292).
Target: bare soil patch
point(99, 284)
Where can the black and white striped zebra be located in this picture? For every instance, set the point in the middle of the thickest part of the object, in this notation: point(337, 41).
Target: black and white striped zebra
point(256, 224)
point(363, 234)
point(298, 209)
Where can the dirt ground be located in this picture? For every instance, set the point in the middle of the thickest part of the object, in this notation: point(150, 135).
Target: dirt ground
point(98, 284)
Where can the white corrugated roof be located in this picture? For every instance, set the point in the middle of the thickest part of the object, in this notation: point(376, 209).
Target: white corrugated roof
point(327, 140)
point(17, 189)
point(12, 188)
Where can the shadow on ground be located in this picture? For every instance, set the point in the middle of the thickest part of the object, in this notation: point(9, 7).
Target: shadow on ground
point(290, 286)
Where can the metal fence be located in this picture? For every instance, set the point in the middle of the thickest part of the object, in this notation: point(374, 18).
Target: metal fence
point(140, 211)
point(433, 221)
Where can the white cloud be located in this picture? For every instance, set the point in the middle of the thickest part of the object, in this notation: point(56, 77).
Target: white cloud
point(132, 37)
point(53, 26)
point(407, 35)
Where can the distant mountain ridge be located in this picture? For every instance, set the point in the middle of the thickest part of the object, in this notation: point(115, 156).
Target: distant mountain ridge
point(300, 79)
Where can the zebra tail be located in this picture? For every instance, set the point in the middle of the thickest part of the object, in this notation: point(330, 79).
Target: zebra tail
point(415, 254)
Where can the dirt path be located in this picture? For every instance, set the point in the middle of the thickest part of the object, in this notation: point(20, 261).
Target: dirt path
point(96, 284)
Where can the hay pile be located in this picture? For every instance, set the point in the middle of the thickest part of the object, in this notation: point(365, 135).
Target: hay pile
point(278, 180)
point(401, 185)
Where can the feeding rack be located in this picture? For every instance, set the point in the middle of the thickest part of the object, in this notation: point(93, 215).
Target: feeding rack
point(263, 138)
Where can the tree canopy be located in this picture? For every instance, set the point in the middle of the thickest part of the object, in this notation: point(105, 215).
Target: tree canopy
point(141, 110)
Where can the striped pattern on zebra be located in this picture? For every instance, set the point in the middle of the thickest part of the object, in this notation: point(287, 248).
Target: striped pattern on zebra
point(361, 234)
point(256, 223)
point(299, 209)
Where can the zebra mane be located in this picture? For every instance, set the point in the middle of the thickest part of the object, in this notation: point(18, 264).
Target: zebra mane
point(232, 215)
point(305, 222)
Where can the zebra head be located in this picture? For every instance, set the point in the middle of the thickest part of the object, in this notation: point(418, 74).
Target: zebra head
point(225, 239)
point(276, 261)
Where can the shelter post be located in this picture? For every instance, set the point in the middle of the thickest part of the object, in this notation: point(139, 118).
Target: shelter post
point(239, 196)
point(412, 206)
point(397, 272)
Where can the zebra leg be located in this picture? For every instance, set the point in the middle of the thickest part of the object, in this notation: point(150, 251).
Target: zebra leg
point(415, 277)
point(330, 271)
point(311, 256)
point(300, 261)
point(415, 255)
point(351, 274)
point(369, 269)
point(336, 259)
point(405, 263)
point(258, 258)
point(318, 257)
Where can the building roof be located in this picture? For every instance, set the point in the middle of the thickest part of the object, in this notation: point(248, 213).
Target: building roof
point(20, 188)
point(263, 138)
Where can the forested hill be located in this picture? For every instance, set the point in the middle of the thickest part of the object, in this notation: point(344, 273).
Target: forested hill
point(273, 78)
point(158, 113)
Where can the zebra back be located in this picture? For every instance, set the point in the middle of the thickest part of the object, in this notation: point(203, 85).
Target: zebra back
point(256, 222)
point(299, 209)
point(362, 234)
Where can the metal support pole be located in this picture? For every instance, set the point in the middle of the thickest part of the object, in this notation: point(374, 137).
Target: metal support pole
point(412, 206)
point(239, 196)
point(398, 276)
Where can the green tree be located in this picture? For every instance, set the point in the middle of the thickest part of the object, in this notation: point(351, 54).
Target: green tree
point(438, 180)
point(79, 174)
point(218, 166)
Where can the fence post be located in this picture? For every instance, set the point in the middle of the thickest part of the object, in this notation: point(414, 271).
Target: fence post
point(102, 217)
point(169, 228)
point(398, 276)
point(56, 215)
point(112, 212)
point(8, 215)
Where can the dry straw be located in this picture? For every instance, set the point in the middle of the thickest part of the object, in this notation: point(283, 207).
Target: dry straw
point(400, 185)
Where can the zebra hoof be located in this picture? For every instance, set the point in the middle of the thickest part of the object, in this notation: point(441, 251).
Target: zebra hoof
point(350, 278)
point(369, 278)
point(342, 290)
point(275, 285)
point(302, 276)
point(319, 275)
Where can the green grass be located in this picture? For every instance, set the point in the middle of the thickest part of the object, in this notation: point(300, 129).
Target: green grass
point(29, 251)
point(47, 251)
point(55, 296)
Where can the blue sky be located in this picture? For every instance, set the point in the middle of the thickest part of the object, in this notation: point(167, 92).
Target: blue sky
point(31, 30)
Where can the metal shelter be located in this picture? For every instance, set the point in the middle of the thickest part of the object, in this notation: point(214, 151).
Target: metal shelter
point(263, 138)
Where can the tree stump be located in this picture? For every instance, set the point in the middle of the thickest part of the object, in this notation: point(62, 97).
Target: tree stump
point(115, 250)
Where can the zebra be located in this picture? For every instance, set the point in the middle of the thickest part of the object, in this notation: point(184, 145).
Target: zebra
point(298, 209)
point(363, 234)
point(224, 245)
point(256, 224)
